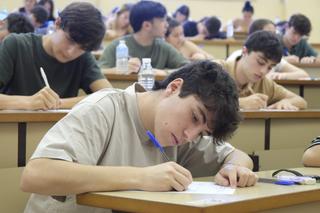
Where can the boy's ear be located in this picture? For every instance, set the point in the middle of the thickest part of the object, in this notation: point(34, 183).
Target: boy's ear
point(174, 86)
point(146, 25)
point(244, 50)
point(57, 23)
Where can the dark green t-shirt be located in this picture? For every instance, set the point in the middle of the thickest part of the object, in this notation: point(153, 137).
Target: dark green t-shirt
point(162, 54)
point(22, 55)
point(302, 49)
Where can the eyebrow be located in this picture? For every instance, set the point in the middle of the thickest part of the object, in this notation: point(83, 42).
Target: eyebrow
point(263, 58)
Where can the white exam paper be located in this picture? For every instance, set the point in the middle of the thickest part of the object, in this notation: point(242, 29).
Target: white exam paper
point(207, 188)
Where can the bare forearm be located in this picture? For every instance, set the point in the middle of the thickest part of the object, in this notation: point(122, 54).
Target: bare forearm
point(64, 178)
point(298, 102)
point(14, 102)
point(68, 103)
point(239, 158)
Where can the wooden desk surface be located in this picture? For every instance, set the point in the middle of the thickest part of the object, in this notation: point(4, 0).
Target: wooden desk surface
point(301, 65)
point(254, 114)
point(56, 115)
point(220, 42)
point(263, 196)
point(31, 116)
point(130, 77)
point(298, 82)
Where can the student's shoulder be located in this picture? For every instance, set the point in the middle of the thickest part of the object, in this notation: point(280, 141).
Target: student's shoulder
point(161, 43)
point(104, 100)
point(22, 39)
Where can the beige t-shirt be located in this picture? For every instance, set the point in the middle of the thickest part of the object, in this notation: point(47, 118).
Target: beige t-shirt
point(265, 86)
point(105, 129)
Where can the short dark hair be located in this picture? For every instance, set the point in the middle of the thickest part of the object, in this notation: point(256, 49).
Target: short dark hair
point(265, 42)
point(145, 11)
point(172, 23)
point(18, 23)
point(300, 23)
point(247, 7)
point(184, 10)
point(259, 24)
point(213, 25)
point(215, 88)
point(84, 24)
point(40, 14)
point(50, 15)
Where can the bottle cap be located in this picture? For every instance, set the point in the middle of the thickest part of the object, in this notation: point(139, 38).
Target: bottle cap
point(146, 60)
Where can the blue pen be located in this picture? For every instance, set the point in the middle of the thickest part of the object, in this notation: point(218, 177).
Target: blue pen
point(157, 145)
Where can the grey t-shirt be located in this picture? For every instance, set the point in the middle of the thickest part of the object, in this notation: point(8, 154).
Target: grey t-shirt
point(162, 54)
point(105, 129)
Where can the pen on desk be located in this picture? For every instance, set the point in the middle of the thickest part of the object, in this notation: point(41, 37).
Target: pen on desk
point(44, 77)
point(158, 146)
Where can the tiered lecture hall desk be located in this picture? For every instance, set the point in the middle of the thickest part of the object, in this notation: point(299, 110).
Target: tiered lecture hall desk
point(264, 197)
point(312, 69)
point(21, 132)
point(268, 134)
point(307, 88)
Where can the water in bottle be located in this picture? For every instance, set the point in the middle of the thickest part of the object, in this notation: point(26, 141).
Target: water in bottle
point(230, 29)
point(146, 75)
point(122, 55)
point(51, 27)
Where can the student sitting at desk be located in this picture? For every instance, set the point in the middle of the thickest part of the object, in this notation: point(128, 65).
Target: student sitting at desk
point(282, 70)
point(189, 50)
point(102, 145)
point(206, 28)
point(64, 56)
point(261, 52)
point(296, 48)
point(119, 25)
point(311, 156)
point(38, 17)
point(14, 23)
point(243, 24)
point(148, 20)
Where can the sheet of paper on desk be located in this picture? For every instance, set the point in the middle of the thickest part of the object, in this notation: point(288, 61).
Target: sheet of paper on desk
point(207, 188)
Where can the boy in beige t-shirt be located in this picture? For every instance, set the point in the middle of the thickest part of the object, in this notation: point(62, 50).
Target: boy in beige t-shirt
point(101, 145)
point(261, 52)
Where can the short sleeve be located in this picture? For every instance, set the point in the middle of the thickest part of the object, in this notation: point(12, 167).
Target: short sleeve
point(92, 72)
point(108, 58)
point(82, 136)
point(7, 60)
point(203, 158)
point(274, 91)
point(175, 59)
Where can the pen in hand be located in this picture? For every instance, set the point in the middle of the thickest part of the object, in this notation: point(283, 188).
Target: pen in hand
point(44, 77)
point(158, 146)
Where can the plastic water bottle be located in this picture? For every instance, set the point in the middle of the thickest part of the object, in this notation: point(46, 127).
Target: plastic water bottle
point(50, 28)
point(146, 75)
point(230, 29)
point(122, 55)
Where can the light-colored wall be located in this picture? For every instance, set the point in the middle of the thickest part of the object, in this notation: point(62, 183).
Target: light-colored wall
point(225, 9)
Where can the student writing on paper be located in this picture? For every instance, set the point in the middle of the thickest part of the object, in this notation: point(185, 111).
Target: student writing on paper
point(65, 57)
point(295, 47)
point(102, 145)
point(261, 52)
point(148, 20)
point(283, 70)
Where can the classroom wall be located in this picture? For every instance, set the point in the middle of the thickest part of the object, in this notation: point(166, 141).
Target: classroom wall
point(225, 9)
